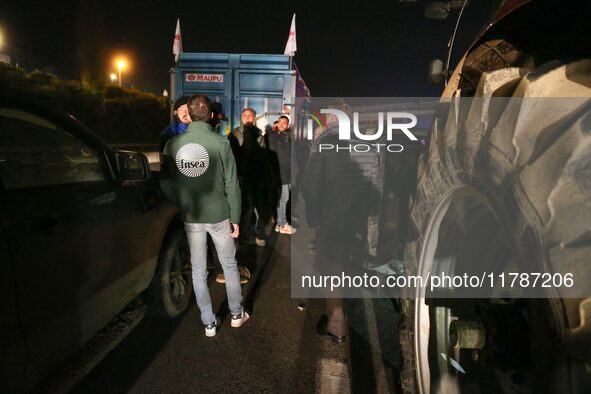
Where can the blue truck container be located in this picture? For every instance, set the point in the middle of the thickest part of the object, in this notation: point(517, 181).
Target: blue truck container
point(265, 83)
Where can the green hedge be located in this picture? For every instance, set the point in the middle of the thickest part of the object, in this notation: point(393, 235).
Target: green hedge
point(115, 114)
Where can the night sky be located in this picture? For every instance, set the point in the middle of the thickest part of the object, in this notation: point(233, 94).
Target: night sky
point(372, 49)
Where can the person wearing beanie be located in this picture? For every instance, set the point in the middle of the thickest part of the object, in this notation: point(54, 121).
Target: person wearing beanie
point(180, 122)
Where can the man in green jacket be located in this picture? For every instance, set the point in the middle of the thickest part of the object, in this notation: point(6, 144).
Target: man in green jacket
point(198, 173)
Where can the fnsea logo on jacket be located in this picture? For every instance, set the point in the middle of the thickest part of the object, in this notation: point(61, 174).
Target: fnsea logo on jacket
point(192, 160)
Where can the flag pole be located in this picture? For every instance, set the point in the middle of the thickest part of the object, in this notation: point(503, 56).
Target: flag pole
point(291, 45)
point(177, 45)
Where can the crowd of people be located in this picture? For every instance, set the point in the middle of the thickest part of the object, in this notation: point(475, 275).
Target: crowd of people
point(226, 188)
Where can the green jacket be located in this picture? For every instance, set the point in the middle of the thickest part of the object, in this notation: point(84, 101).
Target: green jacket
point(198, 173)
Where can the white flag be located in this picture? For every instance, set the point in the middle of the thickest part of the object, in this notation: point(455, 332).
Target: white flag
point(177, 45)
point(291, 47)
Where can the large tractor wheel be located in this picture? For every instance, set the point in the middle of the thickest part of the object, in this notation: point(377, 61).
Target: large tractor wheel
point(508, 185)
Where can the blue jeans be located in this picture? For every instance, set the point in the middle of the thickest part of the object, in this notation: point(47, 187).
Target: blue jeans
point(224, 243)
point(282, 207)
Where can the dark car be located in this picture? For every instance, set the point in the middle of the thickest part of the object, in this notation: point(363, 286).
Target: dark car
point(84, 233)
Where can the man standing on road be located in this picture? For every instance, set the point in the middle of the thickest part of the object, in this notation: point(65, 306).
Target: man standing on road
point(341, 189)
point(247, 143)
point(217, 112)
point(280, 144)
point(199, 174)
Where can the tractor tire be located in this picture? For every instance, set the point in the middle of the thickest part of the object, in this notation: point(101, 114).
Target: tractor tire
point(521, 191)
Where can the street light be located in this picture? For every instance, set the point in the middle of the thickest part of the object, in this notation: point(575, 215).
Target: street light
point(113, 77)
point(121, 64)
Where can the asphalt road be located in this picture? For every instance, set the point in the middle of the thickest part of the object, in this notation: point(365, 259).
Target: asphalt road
point(277, 350)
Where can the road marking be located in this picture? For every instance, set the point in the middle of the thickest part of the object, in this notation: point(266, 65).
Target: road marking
point(376, 353)
point(332, 375)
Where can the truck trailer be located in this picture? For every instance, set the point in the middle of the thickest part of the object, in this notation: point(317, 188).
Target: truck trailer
point(266, 83)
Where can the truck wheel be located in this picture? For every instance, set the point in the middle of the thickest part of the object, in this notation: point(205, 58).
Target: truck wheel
point(172, 284)
point(502, 188)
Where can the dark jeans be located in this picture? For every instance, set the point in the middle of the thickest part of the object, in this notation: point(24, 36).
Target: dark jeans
point(254, 198)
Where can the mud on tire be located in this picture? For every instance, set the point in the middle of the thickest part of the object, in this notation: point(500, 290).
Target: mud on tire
point(536, 182)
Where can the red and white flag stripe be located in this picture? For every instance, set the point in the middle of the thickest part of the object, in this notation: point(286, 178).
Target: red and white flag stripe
point(291, 47)
point(177, 45)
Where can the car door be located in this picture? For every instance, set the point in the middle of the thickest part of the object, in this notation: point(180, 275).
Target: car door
point(73, 232)
point(12, 344)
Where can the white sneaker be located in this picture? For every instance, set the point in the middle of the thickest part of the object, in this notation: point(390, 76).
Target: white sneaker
point(287, 229)
point(277, 228)
point(211, 329)
point(238, 320)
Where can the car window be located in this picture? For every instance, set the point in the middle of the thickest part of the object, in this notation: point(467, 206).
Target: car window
point(36, 152)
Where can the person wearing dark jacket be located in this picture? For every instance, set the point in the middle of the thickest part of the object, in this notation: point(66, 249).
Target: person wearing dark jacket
point(247, 144)
point(217, 111)
point(280, 144)
point(199, 174)
point(341, 189)
point(218, 115)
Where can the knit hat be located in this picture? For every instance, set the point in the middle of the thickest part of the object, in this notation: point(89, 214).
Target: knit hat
point(180, 101)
